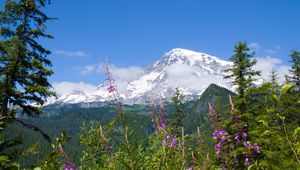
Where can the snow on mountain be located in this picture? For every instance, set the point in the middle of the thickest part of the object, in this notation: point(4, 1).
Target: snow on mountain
point(191, 71)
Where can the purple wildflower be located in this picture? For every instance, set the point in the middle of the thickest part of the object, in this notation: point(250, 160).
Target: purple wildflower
point(111, 89)
point(244, 135)
point(256, 148)
point(173, 142)
point(220, 134)
point(174, 139)
point(237, 138)
point(247, 161)
point(164, 143)
point(162, 126)
point(223, 138)
point(215, 135)
point(190, 168)
point(162, 120)
point(247, 144)
point(218, 146)
point(167, 136)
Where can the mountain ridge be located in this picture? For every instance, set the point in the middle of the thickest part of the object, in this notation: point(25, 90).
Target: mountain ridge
point(191, 71)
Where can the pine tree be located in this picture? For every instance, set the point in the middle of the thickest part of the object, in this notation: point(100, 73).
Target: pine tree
point(23, 67)
point(242, 73)
point(295, 70)
point(239, 125)
point(23, 61)
point(177, 122)
point(274, 81)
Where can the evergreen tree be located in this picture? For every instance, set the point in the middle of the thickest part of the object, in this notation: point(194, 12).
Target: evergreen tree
point(23, 67)
point(295, 70)
point(177, 122)
point(242, 76)
point(242, 73)
point(23, 62)
point(274, 81)
point(268, 129)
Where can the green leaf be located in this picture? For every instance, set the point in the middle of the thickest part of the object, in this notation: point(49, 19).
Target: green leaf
point(3, 159)
point(263, 122)
point(275, 98)
point(280, 117)
point(249, 167)
point(296, 132)
point(285, 88)
point(271, 110)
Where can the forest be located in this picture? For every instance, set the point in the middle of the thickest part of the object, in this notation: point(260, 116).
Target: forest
point(255, 127)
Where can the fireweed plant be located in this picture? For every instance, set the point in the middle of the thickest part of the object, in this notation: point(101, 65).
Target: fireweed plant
point(129, 154)
point(236, 146)
point(233, 149)
point(164, 149)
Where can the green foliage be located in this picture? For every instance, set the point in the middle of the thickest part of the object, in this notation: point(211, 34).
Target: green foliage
point(177, 121)
point(242, 73)
point(130, 154)
point(264, 117)
point(23, 71)
point(269, 129)
point(23, 62)
point(197, 112)
point(56, 157)
point(96, 142)
point(56, 119)
point(295, 70)
point(274, 81)
point(167, 151)
point(258, 129)
point(7, 155)
point(107, 145)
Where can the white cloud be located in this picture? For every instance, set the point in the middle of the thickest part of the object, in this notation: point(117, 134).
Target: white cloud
point(181, 75)
point(93, 68)
point(126, 73)
point(71, 53)
point(62, 88)
point(121, 75)
point(118, 73)
point(282, 71)
point(266, 64)
point(254, 46)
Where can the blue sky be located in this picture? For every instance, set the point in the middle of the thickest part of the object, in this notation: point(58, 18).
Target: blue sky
point(138, 32)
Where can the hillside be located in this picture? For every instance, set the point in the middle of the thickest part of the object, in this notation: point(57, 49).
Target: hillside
point(69, 118)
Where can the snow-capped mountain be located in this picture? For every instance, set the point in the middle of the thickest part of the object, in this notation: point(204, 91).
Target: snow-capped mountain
point(191, 71)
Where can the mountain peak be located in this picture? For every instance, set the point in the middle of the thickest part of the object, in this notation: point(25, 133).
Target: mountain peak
point(192, 71)
point(180, 52)
point(193, 56)
point(175, 51)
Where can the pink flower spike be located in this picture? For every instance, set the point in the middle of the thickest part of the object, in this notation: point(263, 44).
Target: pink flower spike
point(167, 136)
point(164, 143)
